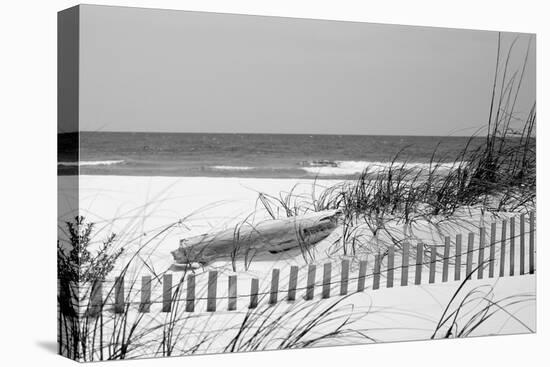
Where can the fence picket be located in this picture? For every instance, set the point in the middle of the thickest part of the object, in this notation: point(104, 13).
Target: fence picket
point(292, 283)
point(362, 275)
point(446, 254)
point(274, 287)
point(212, 291)
point(532, 243)
point(390, 270)
point(310, 287)
point(419, 258)
point(167, 293)
point(492, 250)
point(512, 245)
point(405, 265)
point(327, 273)
point(458, 256)
point(232, 293)
point(119, 294)
point(190, 294)
point(433, 255)
point(344, 278)
point(469, 255)
point(145, 304)
point(502, 265)
point(254, 287)
point(376, 274)
point(522, 244)
point(481, 253)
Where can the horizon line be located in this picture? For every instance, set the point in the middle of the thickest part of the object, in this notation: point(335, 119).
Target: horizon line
point(271, 133)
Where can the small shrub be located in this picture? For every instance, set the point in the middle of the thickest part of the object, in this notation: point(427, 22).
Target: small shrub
point(80, 264)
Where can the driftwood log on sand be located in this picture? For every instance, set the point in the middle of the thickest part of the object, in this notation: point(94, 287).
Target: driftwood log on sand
point(246, 240)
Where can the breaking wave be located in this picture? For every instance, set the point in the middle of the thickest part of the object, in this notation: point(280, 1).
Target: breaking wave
point(90, 163)
point(341, 168)
point(232, 168)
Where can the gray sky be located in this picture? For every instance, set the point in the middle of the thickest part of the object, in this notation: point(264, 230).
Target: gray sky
point(176, 71)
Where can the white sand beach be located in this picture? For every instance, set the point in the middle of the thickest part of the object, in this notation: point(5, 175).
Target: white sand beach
point(138, 208)
point(151, 214)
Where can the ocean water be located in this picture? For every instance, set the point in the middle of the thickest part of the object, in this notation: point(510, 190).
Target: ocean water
point(253, 155)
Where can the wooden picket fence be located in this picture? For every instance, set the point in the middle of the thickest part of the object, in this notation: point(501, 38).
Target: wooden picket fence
point(424, 256)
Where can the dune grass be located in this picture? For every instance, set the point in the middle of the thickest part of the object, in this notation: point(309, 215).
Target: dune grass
point(496, 175)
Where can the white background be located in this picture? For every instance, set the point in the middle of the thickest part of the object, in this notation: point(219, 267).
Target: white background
point(28, 179)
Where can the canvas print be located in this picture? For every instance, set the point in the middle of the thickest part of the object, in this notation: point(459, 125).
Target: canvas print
point(235, 183)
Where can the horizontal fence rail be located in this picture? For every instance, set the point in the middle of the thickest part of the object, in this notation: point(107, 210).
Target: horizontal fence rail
point(335, 279)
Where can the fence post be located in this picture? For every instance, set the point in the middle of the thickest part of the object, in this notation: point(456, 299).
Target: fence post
point(481, 253)
point(292, 283)
point(470, 255)
point(512, 245)
point(532, 243)
point(405, 265)
point(433, 254)
point(212, 291)
point(274, 287)
point(492, 250)
point(419, 259)
point(145, 304)
point(232, 293)
point(119, 295)
point(522, 244)
point(376, 274)
point(446, 254)
point(327, 273)
point(254, 287)
point(190, 296)
point(458, 256)
point(344, 278)
point(502, 264)
point(362, 275)
point(167, 293)
point(390, 270)
point(310, 287)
